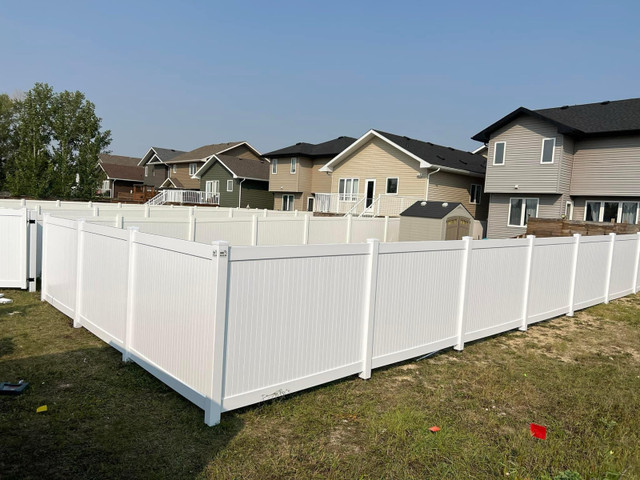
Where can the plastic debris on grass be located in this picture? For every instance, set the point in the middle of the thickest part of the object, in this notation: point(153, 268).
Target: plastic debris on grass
point(41, 409)
point(538, 431)
point(434, 429)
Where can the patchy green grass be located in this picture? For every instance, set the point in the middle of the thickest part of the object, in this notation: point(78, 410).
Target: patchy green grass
point(578, 376)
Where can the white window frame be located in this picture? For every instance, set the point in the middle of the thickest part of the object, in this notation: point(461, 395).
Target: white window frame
point(524, 210)
point(146, 170)
point(504, 153)
point(351, 195)
point(106, 185)
point(471, 193)
point(290, 202)
point(553, 151)
point(193, 166)
point(175, 168)
point(229, 182)
point(568, 210)
point(619, 212)
point(274, 166)
point(294, 165)
point(386, 185)
point(212, 186)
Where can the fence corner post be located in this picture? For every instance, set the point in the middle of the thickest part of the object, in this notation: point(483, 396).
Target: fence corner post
point(612, 244)
point(370, 308)
point(574, 272)
point(131, 278)
point(77, 323)
point(215, 395)
point(637, 265)
point(527, 283)
point(462, 298)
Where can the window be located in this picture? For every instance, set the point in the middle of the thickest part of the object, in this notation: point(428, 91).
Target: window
point(392, 186)
point(175, 168)
point(212, 186)
point(568, 210)
point(520, 209)
point(146, 171)
point(499, 150)
point(611, 211)
point(294, 164)
point(105, 185)
point(548, 147)
point(475, 194)
point(287, 202)
point(274, 166)
point(193, 168)
point(348, 189)
point(229, 185)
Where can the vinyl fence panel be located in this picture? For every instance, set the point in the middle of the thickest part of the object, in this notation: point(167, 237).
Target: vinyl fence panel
point(13, 248)
point(623, 270)
point(59, 263)
point(592, 271)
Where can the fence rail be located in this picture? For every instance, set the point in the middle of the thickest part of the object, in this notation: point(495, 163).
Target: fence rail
point(228, 332)
point(359, 205)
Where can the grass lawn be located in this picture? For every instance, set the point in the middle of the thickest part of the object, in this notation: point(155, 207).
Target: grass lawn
point(578, 376)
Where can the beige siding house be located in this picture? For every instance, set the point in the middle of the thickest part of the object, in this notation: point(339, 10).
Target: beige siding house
point(581, 161)
point(386, 169)
point(295, 175)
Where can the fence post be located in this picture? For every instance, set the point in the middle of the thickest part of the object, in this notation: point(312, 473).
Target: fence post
point(43, 271)
point(254, 230)
point(147, 211)
point(386, 228)
point(370, 307)
point(23, 202)
point(574, 272)
point(612, 244)
point(349, 220)
point(305, 233)
point(192, 227)
point(231, 213)
point(90, 204)
point(119, 221)
point(637, 265)
point(131, 278)
point(462, 298)
point(96, 212)
point(32, 255)
point(527, 283)
point(213, 403)
point(265, 213)
point(79, 261)
point(119, 204)
point(58, 203)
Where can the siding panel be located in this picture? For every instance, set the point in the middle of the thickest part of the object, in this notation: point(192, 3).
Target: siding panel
point(550, 206)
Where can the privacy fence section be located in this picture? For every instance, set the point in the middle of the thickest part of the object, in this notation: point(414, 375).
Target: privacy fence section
point(13, 248)
point(232, 326)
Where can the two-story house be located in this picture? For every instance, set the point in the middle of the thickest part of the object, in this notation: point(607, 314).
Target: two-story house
point(154, 162)
point(181, 169)
point(581, 162)
point(295, 175)
point(118, 174)
point(387, 173)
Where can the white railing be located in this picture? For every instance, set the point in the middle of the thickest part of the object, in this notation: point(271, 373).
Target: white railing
point(185, 196)
point(212, 336)
point(359, 205)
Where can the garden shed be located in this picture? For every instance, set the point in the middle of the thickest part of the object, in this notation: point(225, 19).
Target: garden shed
point(435, 221)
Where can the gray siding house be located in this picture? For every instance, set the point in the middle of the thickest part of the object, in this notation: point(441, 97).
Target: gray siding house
point(581, 162)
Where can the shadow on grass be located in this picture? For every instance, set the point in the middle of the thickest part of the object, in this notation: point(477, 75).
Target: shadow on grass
point(105, 419)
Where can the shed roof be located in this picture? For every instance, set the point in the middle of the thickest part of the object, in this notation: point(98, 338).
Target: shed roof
point(425, 209)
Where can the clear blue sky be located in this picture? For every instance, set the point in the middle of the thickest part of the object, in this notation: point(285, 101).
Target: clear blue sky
point(185, 74)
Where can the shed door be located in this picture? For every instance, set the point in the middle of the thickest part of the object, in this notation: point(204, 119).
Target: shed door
point(457, 227)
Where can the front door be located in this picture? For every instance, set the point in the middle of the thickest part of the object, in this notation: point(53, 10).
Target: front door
point(370, 192)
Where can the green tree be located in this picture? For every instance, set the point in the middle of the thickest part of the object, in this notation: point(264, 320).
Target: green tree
point(56, 138)
point(7, 111)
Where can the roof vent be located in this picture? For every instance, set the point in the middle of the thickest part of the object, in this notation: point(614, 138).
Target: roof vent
point(606, 102)
point(564, 107)
point(445, 204)
point(424, 204)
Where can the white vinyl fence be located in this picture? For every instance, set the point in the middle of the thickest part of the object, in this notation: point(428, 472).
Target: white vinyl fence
point(18, 247)
point(228, 327)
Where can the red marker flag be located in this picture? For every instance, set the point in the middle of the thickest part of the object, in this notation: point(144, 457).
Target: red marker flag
point(539, 431)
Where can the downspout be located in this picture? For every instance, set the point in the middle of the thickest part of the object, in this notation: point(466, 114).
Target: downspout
point(240, 194)
point(426, 196)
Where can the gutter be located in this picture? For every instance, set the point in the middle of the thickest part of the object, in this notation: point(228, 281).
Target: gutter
point(240, 194)
point(426, 196)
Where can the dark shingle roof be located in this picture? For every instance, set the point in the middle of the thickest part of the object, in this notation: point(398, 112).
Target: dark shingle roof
point(438, 155)
point(246, 167)
point(617, 117)
point(166, 154)
point(117, 159)
point(430, 209)
point(123, 172)
point(204, 152)
point(330, 148)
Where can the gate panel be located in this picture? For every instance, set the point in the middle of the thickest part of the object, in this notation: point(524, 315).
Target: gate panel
point(13, 248)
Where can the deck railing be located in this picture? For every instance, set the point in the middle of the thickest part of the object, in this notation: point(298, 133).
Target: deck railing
point(185, 196)
point(359, 205)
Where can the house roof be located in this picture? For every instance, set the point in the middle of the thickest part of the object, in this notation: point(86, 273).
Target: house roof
point(123, 172)
point(329, 148)
point(431, 209)
point(426, 153)
point(603, 118)
point(163, 154)
point(117, 159)
point(238, 167)
point(201, 153)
